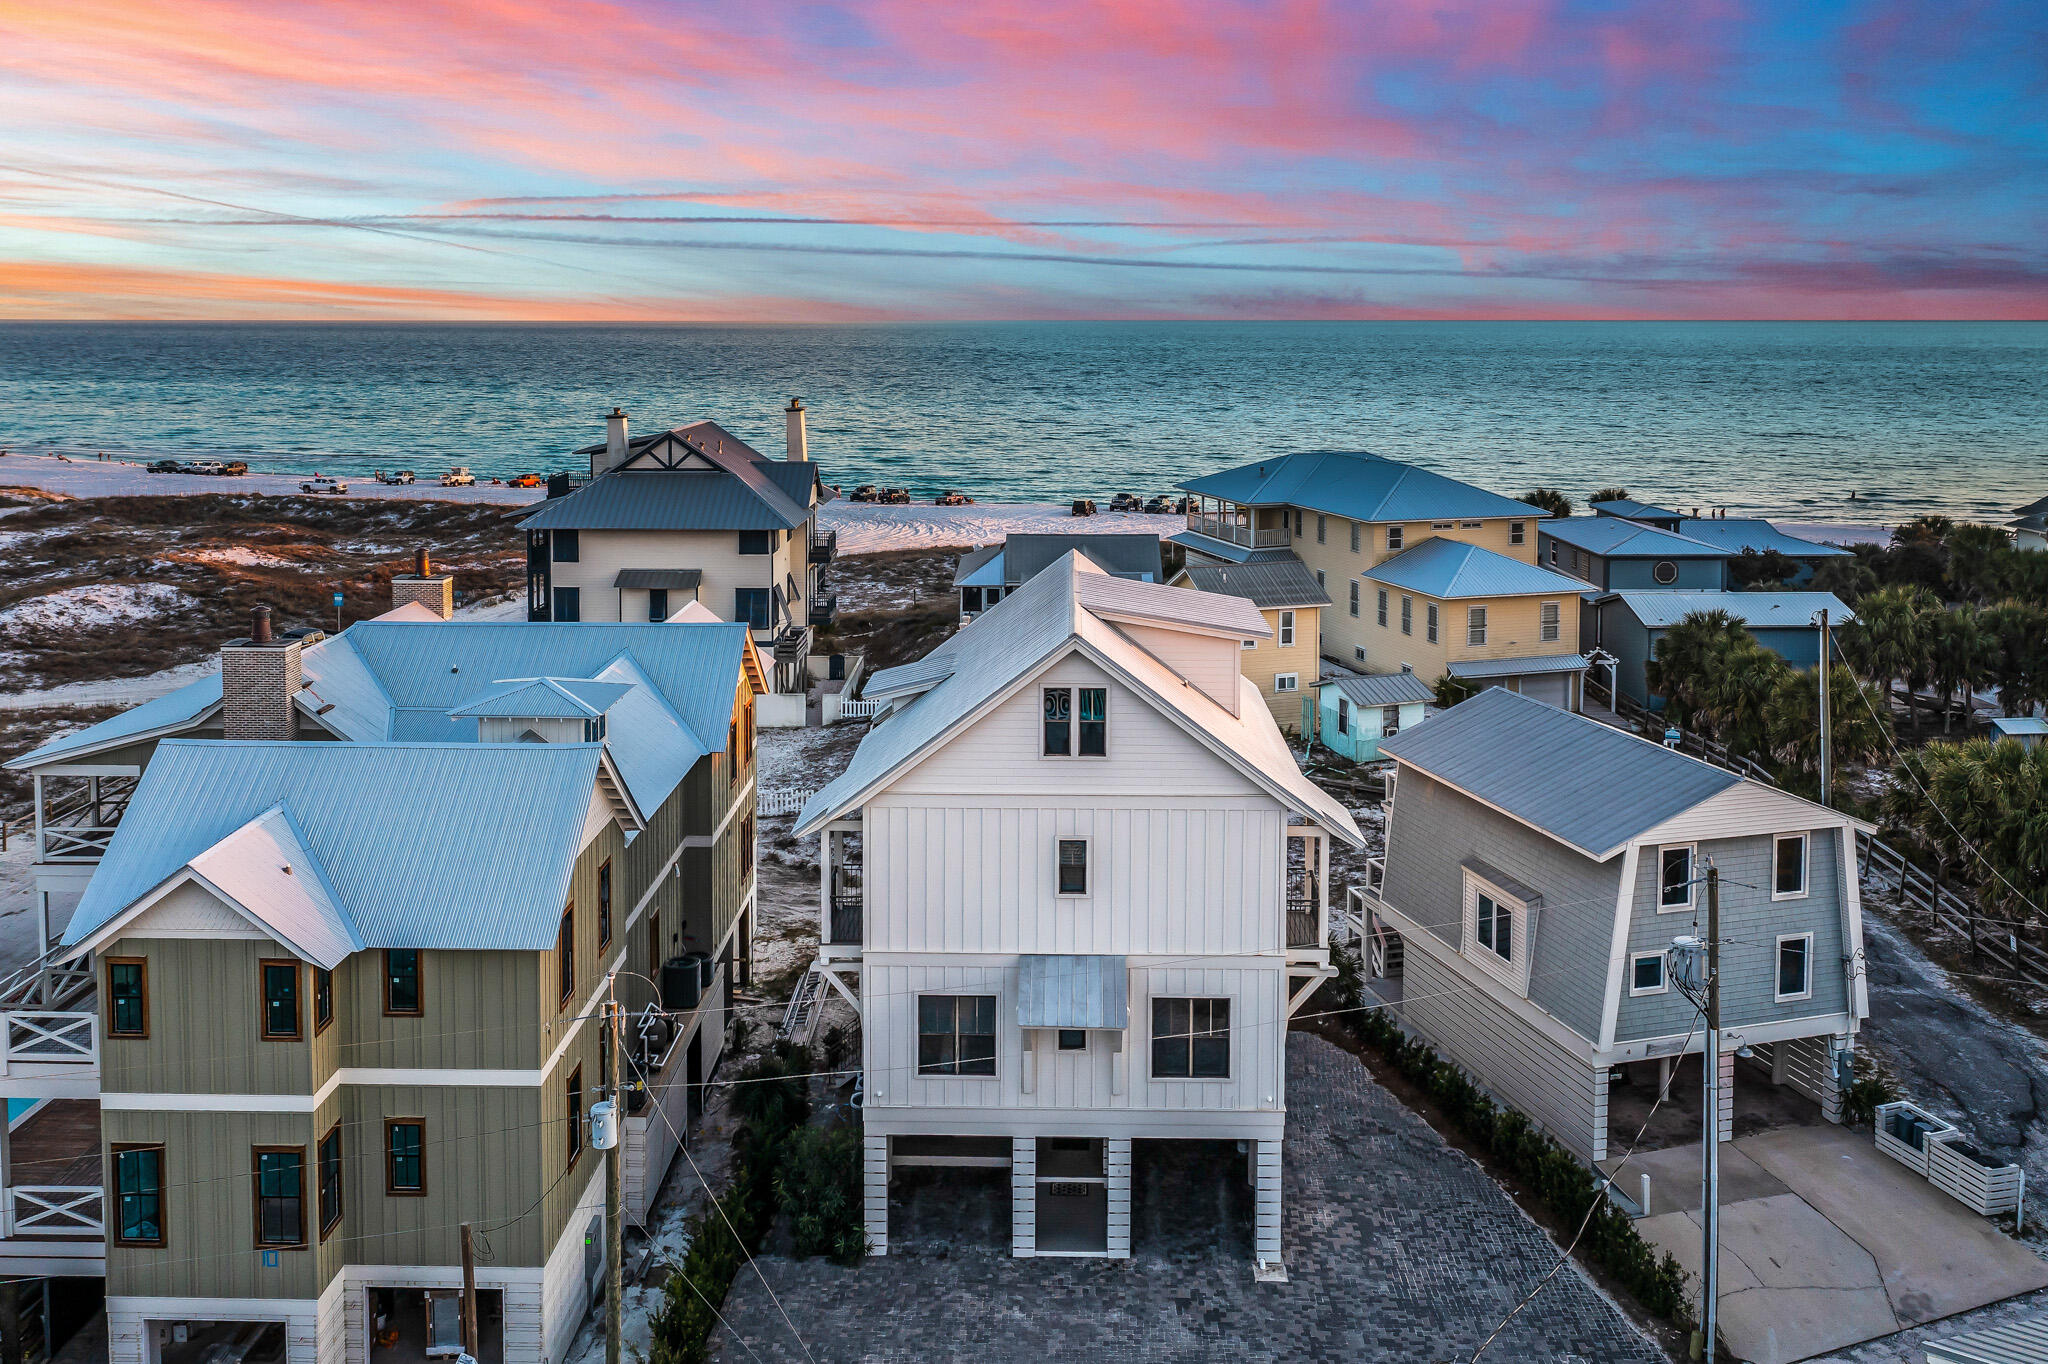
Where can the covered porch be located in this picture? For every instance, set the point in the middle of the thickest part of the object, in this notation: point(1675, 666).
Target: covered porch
point(52, 1191)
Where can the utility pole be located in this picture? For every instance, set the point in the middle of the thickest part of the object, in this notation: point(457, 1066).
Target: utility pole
point(1710, 1205)
point(471, 1346)
point(614, 1199)
point(1826, 744)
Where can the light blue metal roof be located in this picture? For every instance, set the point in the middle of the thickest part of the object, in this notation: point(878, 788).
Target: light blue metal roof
point(1073, 992)
point(1629, 507)
point(2013, 726)
point(1519, 667)
point(1382, 689)
point(566, 698)
point(1613, 538)
point(1451, 569)
point(172, 711)
point(1356, 484)
point(1737, 533)
point(653, 747)
point(1223, 549)
point(1756, 610)
point(447, 846)
point(1587, 784)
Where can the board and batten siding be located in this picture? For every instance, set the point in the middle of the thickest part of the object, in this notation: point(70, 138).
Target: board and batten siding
point(1435, 828)
point(601, 554)
point(1509, 1057)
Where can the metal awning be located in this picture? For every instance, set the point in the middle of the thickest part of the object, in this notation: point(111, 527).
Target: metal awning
point(1520, 667)
point(1073, 992)
point(687, 579)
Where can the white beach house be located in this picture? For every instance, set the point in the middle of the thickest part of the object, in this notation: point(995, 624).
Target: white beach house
point(1079, 882)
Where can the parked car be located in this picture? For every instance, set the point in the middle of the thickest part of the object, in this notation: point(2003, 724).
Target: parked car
point(164, 466)
point(864, 493)
point(394, 476)
point(1184, 506)
point(1127, 502)
point(204, 466)
point(953, 497)
point(320, 483)
point(234, 467)
point(524, 481)
point(1084, 506)
point(458, 477)
point(1158, 506)
point(900, 496)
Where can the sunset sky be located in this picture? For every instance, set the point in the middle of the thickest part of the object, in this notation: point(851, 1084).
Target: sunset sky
point(935, 159)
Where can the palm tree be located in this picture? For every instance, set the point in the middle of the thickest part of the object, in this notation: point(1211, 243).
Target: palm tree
point(1550, 499)
point(1791, 722)
point(1610, 495)
point(1960, 649)
point(2018, 660)
point(1849, 578)
point(1977, 560)
point(1686, 659)
point(1984, 814)
point(1736, 690)
point(1889, 637)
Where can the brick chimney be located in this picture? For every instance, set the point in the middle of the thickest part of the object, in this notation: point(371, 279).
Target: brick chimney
point(793, 422)
point(615, 443)
point(435, 591)
point(259, 676)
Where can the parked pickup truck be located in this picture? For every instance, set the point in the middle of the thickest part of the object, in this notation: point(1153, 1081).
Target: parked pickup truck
point(320, 483)
point(205, 466)
point(458, 477)
point(394, 475)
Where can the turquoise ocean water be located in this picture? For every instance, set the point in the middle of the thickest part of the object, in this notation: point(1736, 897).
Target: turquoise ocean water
point(1784, 418)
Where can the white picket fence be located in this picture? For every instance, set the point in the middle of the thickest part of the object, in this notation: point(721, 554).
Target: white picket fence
point(782, 800)
point(836, 709)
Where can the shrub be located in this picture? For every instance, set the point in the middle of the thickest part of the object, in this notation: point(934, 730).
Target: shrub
point(819, 1187)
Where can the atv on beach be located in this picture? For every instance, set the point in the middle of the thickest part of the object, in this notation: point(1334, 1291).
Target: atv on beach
point(953, 497)
point(899, 497)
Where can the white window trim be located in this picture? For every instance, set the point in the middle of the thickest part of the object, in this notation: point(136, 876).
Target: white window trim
point(1087, 843)
point(1550, 630)
point(1777, 958)
point(1286, 682)
point(1663, 974)
point(1251, 644)
point(1518, 532)
point(1692, 867)
point(1397, 538)
point(1074, 753)
point(1805, 867)
point(917, 1004)
point(1230, 1060)
point(1514, 972)
point(1358, 653)
point(1286, 631)
point(1355, 595)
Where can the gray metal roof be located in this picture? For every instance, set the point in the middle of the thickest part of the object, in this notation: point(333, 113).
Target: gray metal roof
point(1359, 485)
point(684, 579)
point(1382, 689)
point(1271, 582)
point(1615, 538)
point(973, 561)
point(1520, 667)
point(417, 844)
point(1026, 555)
point(173, 711)
point(1584, 783)
point(1629, 507)
point(1756, 610)
point(1073, 992)
point(1737, 533)
point(1198, 543)
point(1452, 569)
point(2019, 1342)
point(665, 499)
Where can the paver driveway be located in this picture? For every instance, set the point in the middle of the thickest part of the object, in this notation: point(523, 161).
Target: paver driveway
point(1397, 1247)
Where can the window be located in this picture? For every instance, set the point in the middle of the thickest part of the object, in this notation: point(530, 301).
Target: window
point(323, 999)
point(1664, 571)
point(604, 904)
point(1286, 629)
point(402, 982)
point(568, 547)
point(1795, 966)
point(1390, 721)
point(1553, 620)
point(1788, 867)
point(1354, 597)
point(657, 603)
point(573, 1111)
point(1380, 608)
point(1518, 532)
point(1440, 525)
point(757, 542)
point(281, 1000)
point(657, 950)
point(1059, 716)
point(1475, 625)
point(956, 1034)
point(746, 847)
point(1072, 857)
point(1646, 973)
point(139, 1195)
point(330, 1180)
point(1190, 1039)
point(1553, 554)
point(568, 603)
point(1297, 523)
point(970, 601)
point(1407, 615)
point(565, 956)
point(755, 606)
point(1321, 526)
point(405, 1160)
point(1251, 644)
point(1286, 681)
point(1430, 620)
point(1321, 580)
point(1396, 535)
point(280, 1195)
point(1343, 716)
point(1358, 653)
point(1496, 927)
point(127, 997)
point(1354, 537)
point(1674, 877)
point(1094, 722)
point(1073, 1039)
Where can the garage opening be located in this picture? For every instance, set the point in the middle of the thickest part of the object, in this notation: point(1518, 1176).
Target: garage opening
point(414, 1325)
point(949, 1191)
point(219, 1342)
point(1191, 1199)
point(1760, 1105)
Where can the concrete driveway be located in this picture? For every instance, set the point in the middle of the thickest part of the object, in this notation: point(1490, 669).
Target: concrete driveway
point(1825, 1243)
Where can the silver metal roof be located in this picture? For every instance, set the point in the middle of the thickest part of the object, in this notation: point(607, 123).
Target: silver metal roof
point(1451, 569)
point(1756, 610)
point(1584, 783)
point(1382, 689)
point(1520, 667)
point(685, 579)
point(1073, 992)
point(1737, 533)
point(2019, 1342)
point(1359, 485)
point(167, 714)
point(1270, 582)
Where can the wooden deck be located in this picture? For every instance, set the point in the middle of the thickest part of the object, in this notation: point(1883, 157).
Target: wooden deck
point(58, 1144)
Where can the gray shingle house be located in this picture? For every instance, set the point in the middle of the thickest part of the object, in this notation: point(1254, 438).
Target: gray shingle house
point(1538, 866)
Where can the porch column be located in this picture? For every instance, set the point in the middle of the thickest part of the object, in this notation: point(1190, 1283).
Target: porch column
point(43, 990)
point(1266, 1218)
point(826, 840)
point(1116, 1164)
point(1834, 1058)
point(875, 1192)
point(1725, 1093)
point(1023, 1196)
point(1322, 887)
point(42, 852)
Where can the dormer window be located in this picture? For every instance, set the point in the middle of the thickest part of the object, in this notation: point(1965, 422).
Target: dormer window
point(1057, 708)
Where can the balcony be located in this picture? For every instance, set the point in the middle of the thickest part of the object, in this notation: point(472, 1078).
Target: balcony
point(1234, 529)
point(1305, 909)
point(824, 545)
point(668, 1058)
point(841, 918)
point(49, 1033)
point(824, 609)
point(52, 1193)
point(1301, 923)
point(845, 925)
point(76, 816)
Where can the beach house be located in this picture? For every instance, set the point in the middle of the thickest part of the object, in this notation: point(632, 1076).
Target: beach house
point(1611, 553)
point(985, 574)
point(1745, 540)
point(1539, 865)
point(2030, 525)
point(691, 514)
point(1396, 547)
point(333, 927)
point(1349, 714)
point(1076, 885)
point(1285, 665)
point(1626, 626)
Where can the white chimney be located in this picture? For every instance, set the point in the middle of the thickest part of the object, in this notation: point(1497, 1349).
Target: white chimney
point(614, 443)
point(793, 420)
